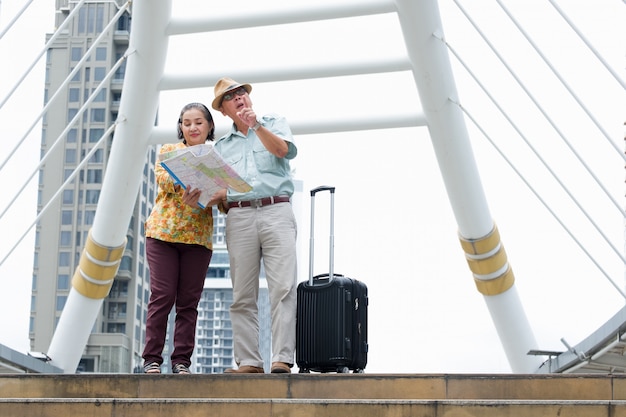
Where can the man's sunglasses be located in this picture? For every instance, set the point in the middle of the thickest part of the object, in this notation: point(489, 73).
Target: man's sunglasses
point(231, 94)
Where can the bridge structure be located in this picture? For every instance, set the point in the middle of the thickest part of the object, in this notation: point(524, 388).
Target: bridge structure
point(429, 63)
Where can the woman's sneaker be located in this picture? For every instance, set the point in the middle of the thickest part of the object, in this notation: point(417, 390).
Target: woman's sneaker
point(152, 368)
point(179, 368)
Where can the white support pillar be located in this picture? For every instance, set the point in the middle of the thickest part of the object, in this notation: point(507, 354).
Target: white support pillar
point(104, 250)
point(421, 27)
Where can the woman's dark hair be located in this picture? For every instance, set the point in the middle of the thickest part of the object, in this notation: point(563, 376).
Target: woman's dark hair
point(207, 115)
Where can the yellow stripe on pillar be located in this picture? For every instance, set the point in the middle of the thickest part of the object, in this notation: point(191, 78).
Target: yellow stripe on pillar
point(497, 285)
point(97, 269)
point(488, 262)
point(482, 245)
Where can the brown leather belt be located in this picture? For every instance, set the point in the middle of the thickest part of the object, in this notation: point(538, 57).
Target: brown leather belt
point(260, 202)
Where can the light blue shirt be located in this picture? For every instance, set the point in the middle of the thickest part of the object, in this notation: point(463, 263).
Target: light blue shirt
point(267, 174)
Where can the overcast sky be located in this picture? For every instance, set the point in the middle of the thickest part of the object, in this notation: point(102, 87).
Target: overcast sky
point(394, 227)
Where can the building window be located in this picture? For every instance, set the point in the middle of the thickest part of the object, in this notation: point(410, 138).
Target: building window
point(99, 17)
point(100, 96)
point(95, 135)
point(65, 238)
point(66, 216)
point(70, 156)
point(64, 259)
point(124, 22)
point(63, 282)
point(97, 115)
point(86, 364)
point(74, 95)
point(94, 176)
point(117, 311)
point(119, 289)
point(101, 54)
point(92, 196)
point(71, 113)
point(121, 71)
point(116, 328)
point(91, 19)
point(82, 20)
point(76, 77)
point(97, 157)
point(89, 216)
point(61, 299)
point(126, 263)
point(77, 53)
point(99, 73)
point(68, 196)
point(72, 136)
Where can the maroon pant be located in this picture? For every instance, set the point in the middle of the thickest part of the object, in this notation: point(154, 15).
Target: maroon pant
point(177, 273)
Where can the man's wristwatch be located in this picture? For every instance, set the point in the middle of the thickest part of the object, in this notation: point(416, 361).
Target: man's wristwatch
point(256, 126)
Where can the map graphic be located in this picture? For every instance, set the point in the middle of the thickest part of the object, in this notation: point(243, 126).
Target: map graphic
point(202, 167)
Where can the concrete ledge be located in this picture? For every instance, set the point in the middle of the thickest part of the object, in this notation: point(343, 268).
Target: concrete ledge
point(329, 386)
point(308, 408)
point(308, 395)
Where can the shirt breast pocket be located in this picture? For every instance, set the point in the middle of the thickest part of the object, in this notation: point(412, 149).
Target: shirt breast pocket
point(265, 161)
point(236, 161)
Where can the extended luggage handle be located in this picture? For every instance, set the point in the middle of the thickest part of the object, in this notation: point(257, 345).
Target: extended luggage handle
point(332, 227)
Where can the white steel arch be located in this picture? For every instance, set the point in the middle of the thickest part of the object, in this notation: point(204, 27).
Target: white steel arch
point(428, 60)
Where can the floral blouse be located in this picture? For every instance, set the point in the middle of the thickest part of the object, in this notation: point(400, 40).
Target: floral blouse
point(172, 220)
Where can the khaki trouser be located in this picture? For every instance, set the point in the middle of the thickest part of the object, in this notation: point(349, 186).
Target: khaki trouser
point(267, 233)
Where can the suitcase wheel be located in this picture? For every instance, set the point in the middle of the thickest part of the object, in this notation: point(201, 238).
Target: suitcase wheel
point(343, 370)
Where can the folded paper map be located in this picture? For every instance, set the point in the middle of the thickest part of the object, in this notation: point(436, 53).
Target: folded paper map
point(202, 167)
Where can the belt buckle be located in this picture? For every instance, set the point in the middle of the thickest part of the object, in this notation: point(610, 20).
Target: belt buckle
point(256, 203)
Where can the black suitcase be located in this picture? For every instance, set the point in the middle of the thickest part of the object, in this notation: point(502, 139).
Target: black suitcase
point(331, 316)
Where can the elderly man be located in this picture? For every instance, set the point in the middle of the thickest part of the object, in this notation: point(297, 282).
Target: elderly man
point(260, 226)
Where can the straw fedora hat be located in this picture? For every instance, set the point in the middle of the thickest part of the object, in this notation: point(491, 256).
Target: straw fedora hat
point(223, 86)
